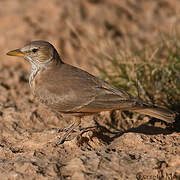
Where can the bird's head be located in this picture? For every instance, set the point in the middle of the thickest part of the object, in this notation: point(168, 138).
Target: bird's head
point(36, 52)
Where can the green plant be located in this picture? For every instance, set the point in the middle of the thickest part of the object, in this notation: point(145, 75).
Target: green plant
point(152, 73)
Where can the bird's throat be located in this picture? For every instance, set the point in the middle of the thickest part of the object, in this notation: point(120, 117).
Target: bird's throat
point(34, 71)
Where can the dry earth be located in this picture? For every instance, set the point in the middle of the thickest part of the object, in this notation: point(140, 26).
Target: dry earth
point(120, 148)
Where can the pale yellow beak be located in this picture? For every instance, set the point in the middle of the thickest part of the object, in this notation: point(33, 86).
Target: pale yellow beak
point(16, 52)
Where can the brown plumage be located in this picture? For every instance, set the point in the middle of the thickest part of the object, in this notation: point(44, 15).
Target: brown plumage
point(70, 90)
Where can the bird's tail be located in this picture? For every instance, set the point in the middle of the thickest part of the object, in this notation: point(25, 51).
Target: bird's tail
point(160, 113)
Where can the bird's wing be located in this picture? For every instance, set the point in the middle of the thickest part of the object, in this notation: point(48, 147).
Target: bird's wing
point(110, 98)
point(69, 89)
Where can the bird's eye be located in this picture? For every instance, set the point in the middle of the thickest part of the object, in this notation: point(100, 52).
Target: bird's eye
point(34, 50)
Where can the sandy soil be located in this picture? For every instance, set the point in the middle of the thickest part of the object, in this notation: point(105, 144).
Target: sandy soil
point(120, 148)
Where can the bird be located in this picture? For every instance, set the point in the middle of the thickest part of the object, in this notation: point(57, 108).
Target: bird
point(67, 89)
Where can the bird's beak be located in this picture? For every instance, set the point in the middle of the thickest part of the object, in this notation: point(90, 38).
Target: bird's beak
point(16, 52)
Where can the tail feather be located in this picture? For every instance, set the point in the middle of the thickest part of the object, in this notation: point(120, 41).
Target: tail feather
point(160, 113)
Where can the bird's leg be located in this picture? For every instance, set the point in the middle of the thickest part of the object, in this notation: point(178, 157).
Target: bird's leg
point(66, 128)
point(69, 130)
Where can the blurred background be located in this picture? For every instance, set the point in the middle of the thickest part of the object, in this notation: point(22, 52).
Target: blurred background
point(81, 29)
point(133, 44)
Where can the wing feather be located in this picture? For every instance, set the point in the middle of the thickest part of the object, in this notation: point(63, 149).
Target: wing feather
point(69, 89)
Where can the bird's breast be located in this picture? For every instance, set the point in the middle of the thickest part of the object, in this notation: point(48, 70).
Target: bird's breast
point(34, 79)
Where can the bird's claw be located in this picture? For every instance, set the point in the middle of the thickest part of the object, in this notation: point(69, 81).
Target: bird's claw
point(61, 140)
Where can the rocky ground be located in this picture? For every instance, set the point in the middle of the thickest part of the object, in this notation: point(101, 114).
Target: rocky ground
point(121, 147)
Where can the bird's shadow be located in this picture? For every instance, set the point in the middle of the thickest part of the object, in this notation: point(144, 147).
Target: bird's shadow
point(107, 136)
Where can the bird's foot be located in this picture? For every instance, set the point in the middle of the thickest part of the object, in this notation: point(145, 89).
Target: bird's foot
point(65, 129)
point(68, 131)
point(61, 140)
